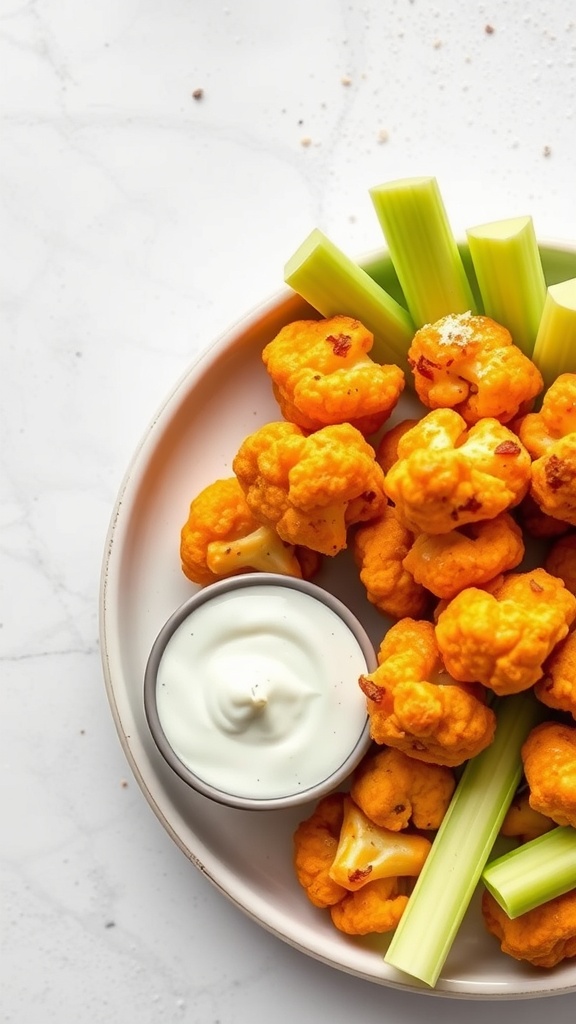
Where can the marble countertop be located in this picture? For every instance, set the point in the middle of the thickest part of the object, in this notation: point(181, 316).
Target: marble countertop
point(160, 161)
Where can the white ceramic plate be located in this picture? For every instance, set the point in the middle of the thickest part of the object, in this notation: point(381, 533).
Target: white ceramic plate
point(224, 396)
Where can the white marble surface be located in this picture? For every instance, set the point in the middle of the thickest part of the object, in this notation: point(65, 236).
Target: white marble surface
point(138, 222)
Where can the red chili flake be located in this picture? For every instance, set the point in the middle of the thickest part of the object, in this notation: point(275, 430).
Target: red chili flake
point(369, 496)
point(472, 505)
point(359, 874)
point(341, 343)
point(371, 690)
point(507, 448)
point(425, 367)
point(556, 473)
point(536, 587)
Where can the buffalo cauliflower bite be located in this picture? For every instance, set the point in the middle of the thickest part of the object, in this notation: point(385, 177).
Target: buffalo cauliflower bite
point(322, 374)
point(522, 822)
point(387, 447)
point(395, 790)
point(379, 548)
point(557, 687)
point(446, 475)
point(561, 560)
point(470, 556)
point(310, 489)
point(315, 843)
point(550, 437)
point(415, 706)
point(469, 363)
point(542, 937)
point(361, 872)
point(374, 909)
point(549, 760)
point(502, 638)
point(221, 537)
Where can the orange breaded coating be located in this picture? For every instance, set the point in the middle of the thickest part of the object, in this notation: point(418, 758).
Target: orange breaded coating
point(502, 638)
point(470, 556)
point(549, 759)
point(522, 822)
point(561, 560)
point(221, 537)
point(376, 908)
point(396, 790)
point(550, 437)
point(469, 363)
point(556, 418)
point(379, 548)
point(322, 374)
point(310, 489)
point(446, 475)
point(315, 843)
point(387, 447)
point(543, 937)
point(415, 706)
point(557, 687)
point(535, 523)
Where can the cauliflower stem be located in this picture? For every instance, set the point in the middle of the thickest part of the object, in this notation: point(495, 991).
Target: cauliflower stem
point(534, 873)
point(435, 909)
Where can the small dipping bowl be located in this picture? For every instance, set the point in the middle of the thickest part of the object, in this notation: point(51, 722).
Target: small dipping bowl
point(251, 691)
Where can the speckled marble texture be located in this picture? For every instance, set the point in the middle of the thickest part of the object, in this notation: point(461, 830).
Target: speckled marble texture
point(160, 162)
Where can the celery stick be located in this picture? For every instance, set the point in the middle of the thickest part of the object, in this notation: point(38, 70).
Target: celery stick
point(423, 249)
point(534, 873)
point(462, 845)
point(555, 346)
point(510, 276)
point(332, 283)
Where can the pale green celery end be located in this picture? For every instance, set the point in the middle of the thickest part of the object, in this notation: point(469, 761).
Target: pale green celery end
point(510, 276)
point(423, 249)
point(446, 884)
point(534, 873)
point(555, 347)
point(333, 283)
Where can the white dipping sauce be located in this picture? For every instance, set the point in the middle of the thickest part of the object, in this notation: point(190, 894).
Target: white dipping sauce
point(257, 691)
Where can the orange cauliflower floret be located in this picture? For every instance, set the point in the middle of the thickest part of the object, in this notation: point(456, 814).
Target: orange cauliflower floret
point(561, 561)
point(322, 374)
point(387, 448)
point(549, 759)
point(415, 706)
point(557, 687)
point(471, 556)
point(360, 871)
point(446, 476)
point(395, 790)
point(469, 363)
point(221, 537)
point(522, 822)
point(310, 489)
point(379, 548)
point(376, 908)
point(315, 843)
point(543, 937)
point(550, 437)
point(501, 639)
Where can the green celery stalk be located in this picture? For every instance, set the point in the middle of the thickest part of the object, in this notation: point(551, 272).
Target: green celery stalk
point(332, 283)
point(533, 873)
point(423, 249)
point(555, 346)
point(510, 276)
point(446, 884)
